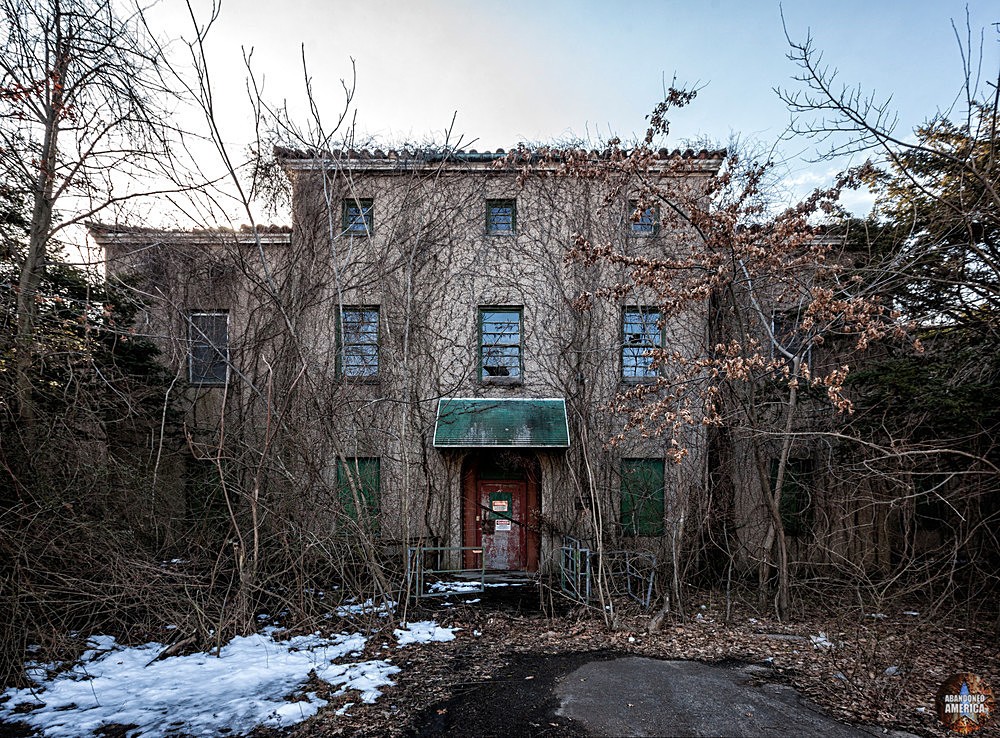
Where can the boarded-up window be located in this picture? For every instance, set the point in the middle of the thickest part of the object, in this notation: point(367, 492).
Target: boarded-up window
point(500, 344)
point(357, 342)
point(641, 336)
point(795, 505)
point(208, 347)
point(642, 497)
point(358, 488)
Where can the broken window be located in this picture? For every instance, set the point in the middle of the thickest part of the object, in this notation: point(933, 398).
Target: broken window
point(642, 220)
point(501, 217)
point(358, 218)
point(642, 497)
point(208, 348)
point(641, 336)
point(358, 487)
point(357, 338)
point(500, 344)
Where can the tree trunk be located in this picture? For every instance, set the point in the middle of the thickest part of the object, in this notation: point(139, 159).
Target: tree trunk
point(33, 268)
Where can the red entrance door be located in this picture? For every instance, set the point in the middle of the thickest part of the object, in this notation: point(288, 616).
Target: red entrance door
point(503, 525)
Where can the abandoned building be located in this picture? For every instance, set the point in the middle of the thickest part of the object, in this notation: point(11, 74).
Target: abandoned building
point(411, 363)
point(409, 359)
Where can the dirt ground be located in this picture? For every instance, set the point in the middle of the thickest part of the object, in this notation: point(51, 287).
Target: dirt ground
point(879, 669)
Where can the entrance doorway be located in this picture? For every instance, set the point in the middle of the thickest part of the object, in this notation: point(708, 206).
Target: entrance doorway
point(500, 511)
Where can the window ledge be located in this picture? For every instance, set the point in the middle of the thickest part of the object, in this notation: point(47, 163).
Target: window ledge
point(359, 380)
point(636, 381)
point(503, 381)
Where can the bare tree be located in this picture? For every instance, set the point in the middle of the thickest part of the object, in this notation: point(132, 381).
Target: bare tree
point(84, 126)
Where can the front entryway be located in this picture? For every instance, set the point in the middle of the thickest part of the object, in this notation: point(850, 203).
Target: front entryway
point(500, 511)
point(504, 525)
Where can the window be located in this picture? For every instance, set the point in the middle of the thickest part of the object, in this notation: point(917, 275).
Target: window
point(643, 221)
point(358, 488)
point(795, 505)
point(787, 334)
point(358, 217)
point(641, 335)
point(500, 344)
point(204, 493)
point(208, 345)
point(357, 342)
point(642, 497)
point(501, 217)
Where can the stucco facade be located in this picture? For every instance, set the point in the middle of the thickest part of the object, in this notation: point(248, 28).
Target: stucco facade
point(405, 280)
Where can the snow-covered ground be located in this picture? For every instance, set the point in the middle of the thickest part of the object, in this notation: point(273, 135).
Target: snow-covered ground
point(254, 680)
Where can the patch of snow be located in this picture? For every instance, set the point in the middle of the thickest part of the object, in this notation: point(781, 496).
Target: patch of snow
point(424, 631)
point(470, 602)
point(876, 615)
point(245, 685)
point(892, 671)
point(911, 613)
point(456, 587)
point(821, 642)
point(343, 710)
point(382, 609)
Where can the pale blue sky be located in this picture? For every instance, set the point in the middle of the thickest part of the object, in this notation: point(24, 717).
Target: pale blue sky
point(548, 70)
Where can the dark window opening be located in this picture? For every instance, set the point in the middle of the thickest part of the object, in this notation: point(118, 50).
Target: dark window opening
point(208, 346)
point(785, 327)
point(795, 505)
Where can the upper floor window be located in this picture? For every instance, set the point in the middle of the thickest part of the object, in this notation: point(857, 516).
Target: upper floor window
point(208, 347)
point(499, 344)
point(501, 217)
point(642, 497)
point(642, 220)
point(641, 336)
point(357, 342)
point(358, 217)
point(788, 338)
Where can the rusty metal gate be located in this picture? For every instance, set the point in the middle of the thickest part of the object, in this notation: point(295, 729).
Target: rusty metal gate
point(575, 570)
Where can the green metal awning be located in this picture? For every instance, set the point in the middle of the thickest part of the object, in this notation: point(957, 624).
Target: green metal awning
point(501, 423)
